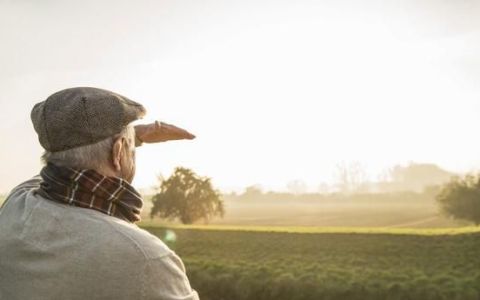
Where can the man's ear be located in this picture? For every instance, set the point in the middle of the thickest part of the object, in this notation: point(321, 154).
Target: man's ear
point(117, 150)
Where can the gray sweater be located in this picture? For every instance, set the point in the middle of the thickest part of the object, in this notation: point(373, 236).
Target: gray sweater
point(50, 250)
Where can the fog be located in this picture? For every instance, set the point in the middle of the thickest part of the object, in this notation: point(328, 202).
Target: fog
point(275, 91)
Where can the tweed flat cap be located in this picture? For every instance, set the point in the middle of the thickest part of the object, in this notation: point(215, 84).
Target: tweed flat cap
point(81, 116)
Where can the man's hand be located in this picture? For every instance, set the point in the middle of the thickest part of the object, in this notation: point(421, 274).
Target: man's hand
point(160, 132)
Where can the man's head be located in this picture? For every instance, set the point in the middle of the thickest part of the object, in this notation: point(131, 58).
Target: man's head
point(113, 156)
point(88, 128)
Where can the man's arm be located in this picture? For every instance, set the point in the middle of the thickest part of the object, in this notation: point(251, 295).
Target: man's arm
point(160, 132)
point(165, 279)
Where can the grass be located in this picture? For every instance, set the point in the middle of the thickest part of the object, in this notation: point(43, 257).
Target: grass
point(316, 229)
point(262, 263)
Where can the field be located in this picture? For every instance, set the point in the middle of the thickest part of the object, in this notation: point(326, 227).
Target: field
point(261, 263)
point(362, 212)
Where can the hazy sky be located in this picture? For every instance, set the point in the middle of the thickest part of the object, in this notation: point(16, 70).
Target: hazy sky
point(274, 90)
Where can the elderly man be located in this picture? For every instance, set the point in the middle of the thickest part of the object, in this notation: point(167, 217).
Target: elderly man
point(69, 233)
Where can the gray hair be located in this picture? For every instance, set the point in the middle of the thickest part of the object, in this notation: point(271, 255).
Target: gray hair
point(94, 156)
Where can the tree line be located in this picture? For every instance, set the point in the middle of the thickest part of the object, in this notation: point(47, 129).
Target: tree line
point(189, 198)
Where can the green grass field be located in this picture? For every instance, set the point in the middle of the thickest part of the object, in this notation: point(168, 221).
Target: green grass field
point(260, 263)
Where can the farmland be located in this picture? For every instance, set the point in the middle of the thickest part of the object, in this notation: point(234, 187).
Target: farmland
point(368, 211)
point(317, 263)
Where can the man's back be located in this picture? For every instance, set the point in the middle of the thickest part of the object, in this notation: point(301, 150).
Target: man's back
point(50, 250)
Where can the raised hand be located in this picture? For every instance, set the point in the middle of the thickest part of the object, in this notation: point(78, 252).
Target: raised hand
point(160, 132)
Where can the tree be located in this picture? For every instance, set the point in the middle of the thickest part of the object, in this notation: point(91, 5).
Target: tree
point(460, 198)
point(351, 178)
point(253, 191)
point(413, 177)
point(297, 187)
point(323, 188)
point(188, 197)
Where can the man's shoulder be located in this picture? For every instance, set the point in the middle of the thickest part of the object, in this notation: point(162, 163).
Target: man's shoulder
point(114, 232)
point(149, 245)
point(23, 188)
point(43, 218)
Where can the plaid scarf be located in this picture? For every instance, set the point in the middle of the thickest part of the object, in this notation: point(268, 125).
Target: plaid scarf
point(89, 189)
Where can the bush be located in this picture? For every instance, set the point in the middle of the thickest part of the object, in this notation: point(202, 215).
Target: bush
point(460, 198)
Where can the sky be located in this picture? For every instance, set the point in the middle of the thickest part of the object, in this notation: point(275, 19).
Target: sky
point(275, 91)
